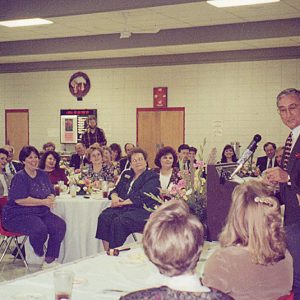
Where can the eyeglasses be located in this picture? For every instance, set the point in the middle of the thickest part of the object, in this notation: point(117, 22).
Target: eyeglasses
point(137, 160)
point(291, 109)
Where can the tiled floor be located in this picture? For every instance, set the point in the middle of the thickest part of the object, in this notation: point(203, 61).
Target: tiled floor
point(10, 270)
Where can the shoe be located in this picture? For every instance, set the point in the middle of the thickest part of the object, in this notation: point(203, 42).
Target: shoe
point(51, 265)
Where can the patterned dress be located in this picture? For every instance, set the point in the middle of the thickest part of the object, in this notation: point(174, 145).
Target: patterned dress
point(105, 174)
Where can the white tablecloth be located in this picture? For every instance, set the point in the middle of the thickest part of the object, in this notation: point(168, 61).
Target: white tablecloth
point(99, 277)
point(81, 217)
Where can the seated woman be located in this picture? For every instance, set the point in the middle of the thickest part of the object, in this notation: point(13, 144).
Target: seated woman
point(116, 152)
point(50, 163)
point(253, 262)
point(126, 214)
point(166, 160)
point(97, 171)
point(30, 198)
point(173, 239)
point(5, 179)
point(228, 155)
point(114, 167)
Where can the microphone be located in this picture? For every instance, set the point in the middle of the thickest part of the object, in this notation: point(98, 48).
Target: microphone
point(247, 154)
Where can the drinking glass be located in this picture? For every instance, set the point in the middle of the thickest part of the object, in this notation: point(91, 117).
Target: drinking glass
point(63, 284)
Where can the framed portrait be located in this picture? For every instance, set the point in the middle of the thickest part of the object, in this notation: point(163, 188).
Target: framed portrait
point(68, 133)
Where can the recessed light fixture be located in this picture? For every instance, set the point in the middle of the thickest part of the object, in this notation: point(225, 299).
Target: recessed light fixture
point(229, 3)
point(25, 22)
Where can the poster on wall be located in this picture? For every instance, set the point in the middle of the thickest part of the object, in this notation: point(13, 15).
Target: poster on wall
point(73, 124)
point(68, 129)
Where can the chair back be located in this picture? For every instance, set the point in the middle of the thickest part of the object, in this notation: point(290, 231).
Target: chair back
point(3, 201)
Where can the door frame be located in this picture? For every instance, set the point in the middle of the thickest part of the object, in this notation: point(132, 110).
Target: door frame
point(15, 110)
point(159, 109)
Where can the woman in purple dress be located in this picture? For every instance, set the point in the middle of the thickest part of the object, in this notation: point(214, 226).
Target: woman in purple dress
point(28, 209)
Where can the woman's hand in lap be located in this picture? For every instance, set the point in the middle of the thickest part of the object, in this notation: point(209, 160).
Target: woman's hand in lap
point(116, 201)
point(49, 201)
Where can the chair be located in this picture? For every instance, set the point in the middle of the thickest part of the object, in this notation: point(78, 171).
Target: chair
point(290, 296)
point(10, 236)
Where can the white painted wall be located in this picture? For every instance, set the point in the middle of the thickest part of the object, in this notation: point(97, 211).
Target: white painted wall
point(224, 101)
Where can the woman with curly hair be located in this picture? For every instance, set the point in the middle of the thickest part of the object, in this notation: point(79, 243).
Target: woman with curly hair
point(166, 160)
point(50, 163)
point(253, 262)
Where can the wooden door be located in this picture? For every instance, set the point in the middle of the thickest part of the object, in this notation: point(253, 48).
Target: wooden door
point(17, 129)
point(157, 128)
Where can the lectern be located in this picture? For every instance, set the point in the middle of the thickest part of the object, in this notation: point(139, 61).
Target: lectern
point(219, 191)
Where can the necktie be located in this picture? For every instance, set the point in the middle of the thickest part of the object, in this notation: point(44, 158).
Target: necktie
point(270, 164)
point(287, 150)
point(12, 170)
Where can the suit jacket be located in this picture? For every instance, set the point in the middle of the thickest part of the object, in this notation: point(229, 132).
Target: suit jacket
point(289, 191)
point(174, 176)
point(262, 163)
point(75, 161)
point(147, 182)
point(165, 293)
point(123, 162)
point(17, 165)
point(7, 178)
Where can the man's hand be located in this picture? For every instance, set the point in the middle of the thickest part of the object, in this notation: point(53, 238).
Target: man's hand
point(274, 175)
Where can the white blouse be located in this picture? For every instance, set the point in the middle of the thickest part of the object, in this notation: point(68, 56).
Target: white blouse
point(187, 283)
point(164, 180)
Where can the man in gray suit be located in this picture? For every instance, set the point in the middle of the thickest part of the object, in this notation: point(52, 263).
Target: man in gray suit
point(288, 175)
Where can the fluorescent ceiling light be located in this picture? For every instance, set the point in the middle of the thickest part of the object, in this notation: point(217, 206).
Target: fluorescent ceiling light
point(228, 3)
point(25, 22)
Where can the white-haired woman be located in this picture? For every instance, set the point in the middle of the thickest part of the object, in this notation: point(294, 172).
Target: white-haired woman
point(173, 240)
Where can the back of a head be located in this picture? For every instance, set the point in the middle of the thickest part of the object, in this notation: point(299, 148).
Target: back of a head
point(254, 222)
point(173, 238)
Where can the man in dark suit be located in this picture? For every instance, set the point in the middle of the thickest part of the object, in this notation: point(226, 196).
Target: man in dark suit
point(268, 161)
point(79, 158)
point(183, 157)
point(12, 166)
point(288, 175)
point(124, 162)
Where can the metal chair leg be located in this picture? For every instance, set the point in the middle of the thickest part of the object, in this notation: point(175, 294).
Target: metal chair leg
point(5, 250)
point(19, 252)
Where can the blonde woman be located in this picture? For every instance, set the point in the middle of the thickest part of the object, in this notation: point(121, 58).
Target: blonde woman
point(97, 170)
point(253, 262)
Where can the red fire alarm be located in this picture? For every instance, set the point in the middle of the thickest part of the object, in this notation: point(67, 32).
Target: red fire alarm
point(160, 97)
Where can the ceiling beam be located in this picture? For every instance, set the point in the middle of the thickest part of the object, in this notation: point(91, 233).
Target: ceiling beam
point(22, 9)
point(159, 60)
point(194, 35)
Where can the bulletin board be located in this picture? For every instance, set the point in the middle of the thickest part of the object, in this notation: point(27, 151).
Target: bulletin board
point(73, 124)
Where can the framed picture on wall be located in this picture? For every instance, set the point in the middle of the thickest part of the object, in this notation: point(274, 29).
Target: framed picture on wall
point(68, 129)
point(73, 124)
point(160, 97)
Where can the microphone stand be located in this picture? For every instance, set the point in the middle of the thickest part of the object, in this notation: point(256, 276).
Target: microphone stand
point(240, 166)
point(251, 161)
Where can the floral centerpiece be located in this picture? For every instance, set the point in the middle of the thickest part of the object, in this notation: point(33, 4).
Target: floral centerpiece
point(249, 169)
point(80, 179)
point(191, 188)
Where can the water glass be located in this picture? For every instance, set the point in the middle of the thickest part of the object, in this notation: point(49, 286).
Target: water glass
point(63, 284)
